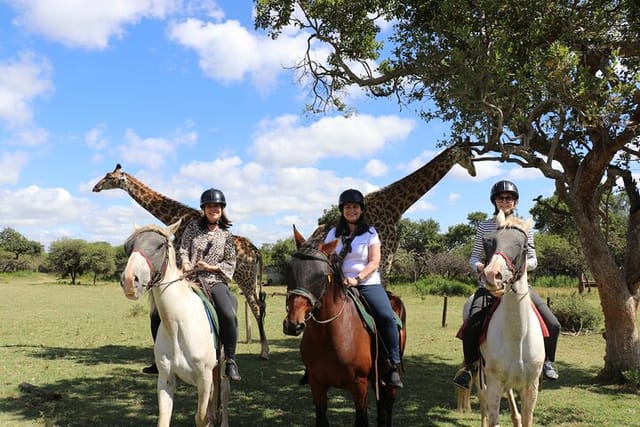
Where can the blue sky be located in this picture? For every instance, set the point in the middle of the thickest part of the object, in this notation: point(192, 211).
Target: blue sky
point(186, 95)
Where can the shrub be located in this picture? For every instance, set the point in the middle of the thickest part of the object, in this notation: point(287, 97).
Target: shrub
point(437, 285)
point(576, 314)
point(632, 377)
point(554, 282)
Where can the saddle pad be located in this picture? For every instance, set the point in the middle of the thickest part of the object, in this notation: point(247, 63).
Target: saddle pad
point(211, 312)
point(367, 318)
point(362, 308)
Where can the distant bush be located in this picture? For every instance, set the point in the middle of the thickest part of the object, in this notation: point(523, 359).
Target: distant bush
point(576, 314)
point(438, 285)
point(554, 282)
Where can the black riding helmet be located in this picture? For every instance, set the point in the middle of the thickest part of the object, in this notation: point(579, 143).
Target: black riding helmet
point(504, 187)
point(212, 195)
point(351, 196)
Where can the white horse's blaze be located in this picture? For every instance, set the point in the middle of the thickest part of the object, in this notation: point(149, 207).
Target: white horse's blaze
point(135, 276)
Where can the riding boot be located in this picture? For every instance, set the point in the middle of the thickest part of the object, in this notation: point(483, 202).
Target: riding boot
point(231, 370)
point(394, 378)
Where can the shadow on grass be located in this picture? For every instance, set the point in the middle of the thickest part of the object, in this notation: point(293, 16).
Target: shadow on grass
point(268, 395)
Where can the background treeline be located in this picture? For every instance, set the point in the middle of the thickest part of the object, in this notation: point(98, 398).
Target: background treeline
point(427, 257)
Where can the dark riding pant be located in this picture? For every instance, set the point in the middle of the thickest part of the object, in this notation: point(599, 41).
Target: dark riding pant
point(482, 300)
point(382, 312)
point(226, 306)
point(473, 328)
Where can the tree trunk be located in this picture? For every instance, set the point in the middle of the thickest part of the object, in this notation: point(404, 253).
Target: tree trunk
point(622, 350)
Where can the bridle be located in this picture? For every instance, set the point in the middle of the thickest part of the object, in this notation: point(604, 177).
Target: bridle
point(157, 274)
point(517, 264)
point(308, 253)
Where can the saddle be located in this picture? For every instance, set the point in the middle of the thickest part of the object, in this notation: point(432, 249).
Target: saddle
point(489, 312)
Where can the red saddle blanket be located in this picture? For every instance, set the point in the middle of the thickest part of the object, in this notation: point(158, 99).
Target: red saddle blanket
point(492, 308)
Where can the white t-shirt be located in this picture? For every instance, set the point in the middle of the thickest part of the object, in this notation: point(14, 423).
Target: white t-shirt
point(355, 261)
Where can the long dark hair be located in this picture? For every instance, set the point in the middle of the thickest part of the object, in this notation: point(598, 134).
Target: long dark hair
point(362, 226)
point(223, 222)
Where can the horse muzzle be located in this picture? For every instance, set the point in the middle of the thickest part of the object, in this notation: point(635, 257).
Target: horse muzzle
point(292, 328)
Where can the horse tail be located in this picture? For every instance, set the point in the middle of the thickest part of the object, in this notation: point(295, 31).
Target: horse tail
point(401, 311)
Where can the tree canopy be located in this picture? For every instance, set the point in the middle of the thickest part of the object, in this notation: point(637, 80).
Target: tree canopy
point(547, 85)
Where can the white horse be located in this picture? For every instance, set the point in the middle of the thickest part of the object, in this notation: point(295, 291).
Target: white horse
point(513, 351)
point(185, 346)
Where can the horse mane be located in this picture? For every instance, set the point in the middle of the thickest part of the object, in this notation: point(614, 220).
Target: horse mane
point(512, 221)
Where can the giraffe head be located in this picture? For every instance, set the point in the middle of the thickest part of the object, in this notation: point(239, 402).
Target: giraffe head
point(115, 179)
point(463, 155)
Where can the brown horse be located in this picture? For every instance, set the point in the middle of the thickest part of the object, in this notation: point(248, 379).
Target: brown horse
point(337, 348)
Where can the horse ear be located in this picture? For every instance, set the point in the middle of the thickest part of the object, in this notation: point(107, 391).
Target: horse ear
point(329, 248)
point(298, 237)
point(500, 218)
point(174, 227)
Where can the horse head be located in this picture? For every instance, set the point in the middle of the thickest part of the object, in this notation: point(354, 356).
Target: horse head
point(150, 254)
point(310, 271)
point(508, 249)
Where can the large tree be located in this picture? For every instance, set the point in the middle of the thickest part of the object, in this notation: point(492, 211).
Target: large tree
point(550, 85)
point(17, 244)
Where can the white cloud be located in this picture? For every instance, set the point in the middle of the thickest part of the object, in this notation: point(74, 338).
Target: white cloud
point(95, 137)
point(285, 142)
point(375, 167)
point(44, 207)
point(11, 164)
point(153, 151)
point(87, 24)
point(229, 52)
point(21, 81)
point(29, 136)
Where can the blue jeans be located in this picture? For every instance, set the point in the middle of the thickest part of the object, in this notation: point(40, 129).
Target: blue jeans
point(376, 297)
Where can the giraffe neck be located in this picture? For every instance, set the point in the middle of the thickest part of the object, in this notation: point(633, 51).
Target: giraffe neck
point(400, 195)
point(160, 206)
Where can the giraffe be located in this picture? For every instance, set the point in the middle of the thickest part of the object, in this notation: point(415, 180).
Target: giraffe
point(386, 205)
point(168, 211)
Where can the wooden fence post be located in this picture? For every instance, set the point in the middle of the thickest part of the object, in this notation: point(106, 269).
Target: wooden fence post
point(444, 313)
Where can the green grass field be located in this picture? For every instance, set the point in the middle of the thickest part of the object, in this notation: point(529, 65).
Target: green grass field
point(89, 343)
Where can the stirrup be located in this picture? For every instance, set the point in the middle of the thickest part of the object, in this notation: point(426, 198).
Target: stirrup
point(463, 377)
point(231, 370)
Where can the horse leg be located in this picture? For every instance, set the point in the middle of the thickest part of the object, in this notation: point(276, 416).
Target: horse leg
point(528, 396)
point(320, 402)
point(494, 394)
point(516, 419)
point(385, 406)
point(205, 389)
point(166, 389)
point(359, 393)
